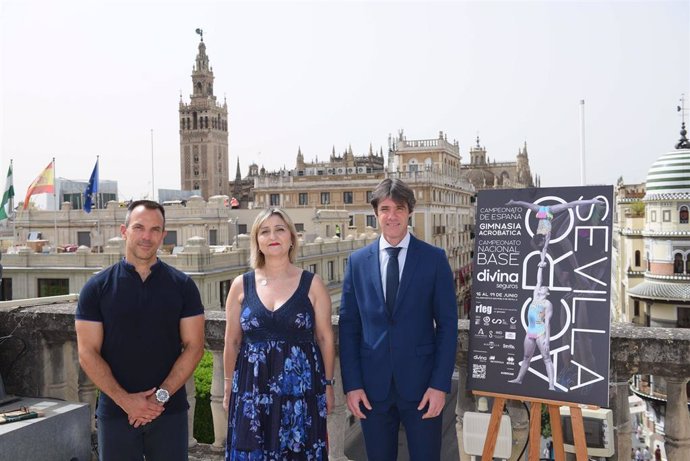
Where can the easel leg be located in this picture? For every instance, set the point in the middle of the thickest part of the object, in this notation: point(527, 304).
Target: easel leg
point(579, 434)
point(556, 432)
point(534, 431)
point(492, 431)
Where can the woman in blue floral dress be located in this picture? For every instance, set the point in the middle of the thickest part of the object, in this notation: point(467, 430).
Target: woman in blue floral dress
point(279, 352)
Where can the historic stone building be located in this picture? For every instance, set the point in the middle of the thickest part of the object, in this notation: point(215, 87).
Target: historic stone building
point(486, 174)
point(204, 161)
point(652, 246)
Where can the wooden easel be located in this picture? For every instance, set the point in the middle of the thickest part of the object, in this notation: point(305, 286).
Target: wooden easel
point(535, 426)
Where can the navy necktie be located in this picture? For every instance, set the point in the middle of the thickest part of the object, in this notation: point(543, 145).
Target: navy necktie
point(392, 277)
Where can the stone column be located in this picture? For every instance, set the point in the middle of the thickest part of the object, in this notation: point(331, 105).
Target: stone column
point(220, 417)
point(622, 427)
point(677, 423)
point(87, 392)
point(337, 420)
point(520, 423)
point(190, 388)
point(54, 383)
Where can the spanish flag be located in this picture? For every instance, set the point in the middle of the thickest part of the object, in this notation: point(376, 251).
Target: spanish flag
point(45, 182)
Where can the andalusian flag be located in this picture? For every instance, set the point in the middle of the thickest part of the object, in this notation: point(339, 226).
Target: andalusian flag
point(45, 182)
point(7, 196)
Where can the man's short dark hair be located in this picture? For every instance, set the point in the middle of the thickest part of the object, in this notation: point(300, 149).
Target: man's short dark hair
point(396, 190)
point(148, 204)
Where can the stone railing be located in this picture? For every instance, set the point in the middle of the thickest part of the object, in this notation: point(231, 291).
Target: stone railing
point(38, 357)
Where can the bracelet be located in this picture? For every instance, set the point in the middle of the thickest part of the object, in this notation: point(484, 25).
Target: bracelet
point(330, 382)
point(227, 379)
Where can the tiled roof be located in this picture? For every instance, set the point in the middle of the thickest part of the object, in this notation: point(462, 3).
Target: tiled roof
point(669, 177)
point(672, 291)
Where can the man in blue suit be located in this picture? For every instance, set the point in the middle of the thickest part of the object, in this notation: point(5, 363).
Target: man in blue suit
point(398, 333)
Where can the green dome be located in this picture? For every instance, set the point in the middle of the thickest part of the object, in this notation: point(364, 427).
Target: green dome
point(669, 176)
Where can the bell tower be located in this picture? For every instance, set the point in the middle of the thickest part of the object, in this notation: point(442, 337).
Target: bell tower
point(204, 158)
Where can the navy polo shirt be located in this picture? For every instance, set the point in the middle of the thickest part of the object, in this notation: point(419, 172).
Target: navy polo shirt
point(141, 326)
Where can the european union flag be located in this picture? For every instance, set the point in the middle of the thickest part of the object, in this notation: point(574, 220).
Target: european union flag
point(91, 189)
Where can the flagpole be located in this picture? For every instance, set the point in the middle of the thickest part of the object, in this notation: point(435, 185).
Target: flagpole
point(12, 215)
point(56, 206)
point(98, 219)
point(153, 188)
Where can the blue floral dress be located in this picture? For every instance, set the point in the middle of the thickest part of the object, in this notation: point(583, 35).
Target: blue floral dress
point(277, 409)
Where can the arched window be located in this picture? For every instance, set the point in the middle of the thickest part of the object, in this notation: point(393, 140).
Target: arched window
point(637, 258)
point(194, 122)
point(687, 263)
point(649, 264)
point(678, 263)
point(683, 215)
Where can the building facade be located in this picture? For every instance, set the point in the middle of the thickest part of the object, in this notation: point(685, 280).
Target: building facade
point(653, 277)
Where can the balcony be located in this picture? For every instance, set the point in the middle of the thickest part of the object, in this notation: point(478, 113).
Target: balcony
point(49, 368)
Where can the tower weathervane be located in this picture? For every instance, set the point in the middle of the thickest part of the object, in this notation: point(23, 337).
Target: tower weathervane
point(201, 33)
point(683, 142)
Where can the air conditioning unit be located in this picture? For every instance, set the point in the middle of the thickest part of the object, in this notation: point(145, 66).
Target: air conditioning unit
point(474, 429)
point(351, 170)
point(598, 431)
point(330, 171)
point(341, 170)
point(361, 169)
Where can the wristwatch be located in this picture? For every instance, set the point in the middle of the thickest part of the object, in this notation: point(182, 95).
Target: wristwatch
point(330, 382)
point(162, 396)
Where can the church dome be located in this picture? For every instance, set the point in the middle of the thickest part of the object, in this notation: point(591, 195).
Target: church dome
point(669, 176)
point(481, 178)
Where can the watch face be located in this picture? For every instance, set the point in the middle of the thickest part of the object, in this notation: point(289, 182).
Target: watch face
point(162, 395)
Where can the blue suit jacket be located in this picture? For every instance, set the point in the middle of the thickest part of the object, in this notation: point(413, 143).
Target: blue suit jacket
point(415, 346)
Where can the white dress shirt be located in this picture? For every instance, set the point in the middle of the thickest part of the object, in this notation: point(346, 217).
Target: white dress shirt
point(383, 257)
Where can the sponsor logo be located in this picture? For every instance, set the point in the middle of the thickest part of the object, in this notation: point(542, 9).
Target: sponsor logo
point(480, 358)
point(498, 334)
point(497, 276)
point(483, 309)
point(507, 373)
point(508, 346)
point(491, 344)
point(498, 321)
point(510, 360)
point(510, 335)
point(487, 320)
point(480, 332)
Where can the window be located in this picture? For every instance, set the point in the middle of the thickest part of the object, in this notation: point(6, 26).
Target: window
point(299, 226)
point(224, 286)
point(687, 263)
point(653, 215)
point(331, 271)
point(170, 238)
point(683, 215)
point(6, 289)
point(666, 215)
point(274, 200)
point(371, 220)
point(370, 194)
point(325, 198)
point(678, 263)
point(347, 197)
point(636, 308)
point(303, 198)
point(242, 229)
point(637, 258)
point(312, 268)
point(52, 287)
point(84, 238)
point(351, 222)
point(683, 317)
point(213, 237)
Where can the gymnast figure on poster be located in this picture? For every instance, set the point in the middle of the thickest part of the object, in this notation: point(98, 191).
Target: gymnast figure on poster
point(538, 330)
point(545, 214)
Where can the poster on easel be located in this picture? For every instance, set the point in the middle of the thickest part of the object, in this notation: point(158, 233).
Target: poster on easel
point(541, 293)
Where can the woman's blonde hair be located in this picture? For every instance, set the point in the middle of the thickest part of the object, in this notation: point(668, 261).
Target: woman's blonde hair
point(256, 259)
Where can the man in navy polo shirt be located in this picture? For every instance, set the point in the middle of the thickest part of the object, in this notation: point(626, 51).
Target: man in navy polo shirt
point(140, 334)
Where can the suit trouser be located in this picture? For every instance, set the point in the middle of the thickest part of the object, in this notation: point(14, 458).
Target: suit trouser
point(163, 439)
point(380, 429)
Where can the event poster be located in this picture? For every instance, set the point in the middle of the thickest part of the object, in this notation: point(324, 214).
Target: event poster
point(541, 292)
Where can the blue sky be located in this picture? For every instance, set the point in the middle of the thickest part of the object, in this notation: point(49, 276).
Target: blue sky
point(80, 79)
